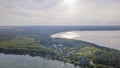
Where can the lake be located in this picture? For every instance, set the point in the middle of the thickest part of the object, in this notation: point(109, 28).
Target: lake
point(109, 39)
point(26, 61)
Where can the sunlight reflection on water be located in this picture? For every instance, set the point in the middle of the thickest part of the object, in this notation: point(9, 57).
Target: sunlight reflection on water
point(104, 38)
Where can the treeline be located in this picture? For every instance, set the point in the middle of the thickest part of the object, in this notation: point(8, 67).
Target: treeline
point(24, 45)
point(108, 57)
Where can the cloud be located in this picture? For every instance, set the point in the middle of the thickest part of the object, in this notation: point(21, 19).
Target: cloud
point(59, 12)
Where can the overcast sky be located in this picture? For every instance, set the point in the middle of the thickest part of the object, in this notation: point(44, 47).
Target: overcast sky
point(59, 12)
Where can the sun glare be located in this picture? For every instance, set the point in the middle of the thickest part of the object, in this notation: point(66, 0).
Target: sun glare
point(69, 35)
point(70, 6)
point(70, 3)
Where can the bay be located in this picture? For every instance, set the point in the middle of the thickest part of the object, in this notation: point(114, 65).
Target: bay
point(109, 39)
point(26, 61)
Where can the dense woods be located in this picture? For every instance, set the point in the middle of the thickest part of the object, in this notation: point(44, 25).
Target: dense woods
point(24, 45)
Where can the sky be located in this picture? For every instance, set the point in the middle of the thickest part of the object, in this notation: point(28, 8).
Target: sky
point(59, 12)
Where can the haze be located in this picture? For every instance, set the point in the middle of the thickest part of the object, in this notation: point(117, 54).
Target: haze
point(59, 12)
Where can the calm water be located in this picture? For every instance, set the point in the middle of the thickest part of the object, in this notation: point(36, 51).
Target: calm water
point(109, 39)
point(21, 61)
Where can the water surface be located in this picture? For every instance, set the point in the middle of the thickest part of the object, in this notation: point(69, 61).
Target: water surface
point(109, 39)
point(26, 61)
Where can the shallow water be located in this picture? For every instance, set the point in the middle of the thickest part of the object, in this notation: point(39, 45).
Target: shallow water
point(26, 61)
point(109, 39)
